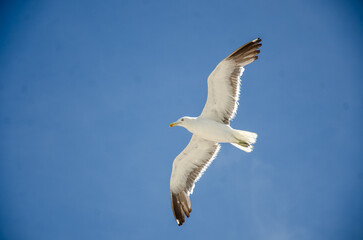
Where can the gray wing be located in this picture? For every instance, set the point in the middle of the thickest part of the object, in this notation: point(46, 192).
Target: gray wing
point(188, 167)
point(224, 83)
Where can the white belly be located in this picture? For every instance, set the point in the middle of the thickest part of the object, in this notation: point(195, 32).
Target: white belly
point(211, 130)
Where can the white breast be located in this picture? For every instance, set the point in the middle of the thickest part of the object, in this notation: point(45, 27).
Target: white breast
point(211, 130)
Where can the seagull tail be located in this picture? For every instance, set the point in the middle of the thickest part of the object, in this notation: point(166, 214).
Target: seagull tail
point(244, 140)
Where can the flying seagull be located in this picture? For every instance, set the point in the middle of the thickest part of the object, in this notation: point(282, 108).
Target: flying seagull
point(211, 128)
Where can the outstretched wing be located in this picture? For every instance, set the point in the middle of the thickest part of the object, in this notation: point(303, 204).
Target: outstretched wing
point(188, 167)
point(224, 83)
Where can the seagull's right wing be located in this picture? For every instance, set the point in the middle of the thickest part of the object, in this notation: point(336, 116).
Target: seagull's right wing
point(188, 167)
point(224, 83)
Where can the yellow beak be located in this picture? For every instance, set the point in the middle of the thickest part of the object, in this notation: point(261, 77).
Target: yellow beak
point(173, 124)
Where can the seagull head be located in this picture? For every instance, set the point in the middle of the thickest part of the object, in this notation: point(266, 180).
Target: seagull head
point(182, 122)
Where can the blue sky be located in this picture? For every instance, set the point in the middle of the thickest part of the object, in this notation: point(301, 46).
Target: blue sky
point(88, 88)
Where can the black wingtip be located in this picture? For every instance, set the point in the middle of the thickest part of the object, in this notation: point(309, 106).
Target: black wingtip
point(246, 49)
point(257, 40)
point(180, 204)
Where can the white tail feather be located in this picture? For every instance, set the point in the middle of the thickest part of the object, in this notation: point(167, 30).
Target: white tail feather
point(244, 140)
point(246, 149)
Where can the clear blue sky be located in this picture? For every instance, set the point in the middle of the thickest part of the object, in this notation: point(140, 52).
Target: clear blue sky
point(88, 88)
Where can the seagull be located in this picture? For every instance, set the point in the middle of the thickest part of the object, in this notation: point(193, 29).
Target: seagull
point(211, 128)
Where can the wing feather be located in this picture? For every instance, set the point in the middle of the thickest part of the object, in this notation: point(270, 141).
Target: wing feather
point(188, 167)
point(224, 83)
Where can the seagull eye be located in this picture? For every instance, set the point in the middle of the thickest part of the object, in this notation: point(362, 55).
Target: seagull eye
point(182, 119)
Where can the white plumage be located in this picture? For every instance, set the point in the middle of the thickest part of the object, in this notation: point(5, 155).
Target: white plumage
point(211, 128)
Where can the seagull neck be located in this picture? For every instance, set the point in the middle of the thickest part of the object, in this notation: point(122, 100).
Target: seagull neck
point(190, 123)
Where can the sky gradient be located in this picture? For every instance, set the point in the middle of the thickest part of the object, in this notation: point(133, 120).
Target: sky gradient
point(88, 89)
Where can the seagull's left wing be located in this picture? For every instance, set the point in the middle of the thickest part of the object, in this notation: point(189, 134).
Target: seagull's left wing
point(188, 167)
point(224, 83)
